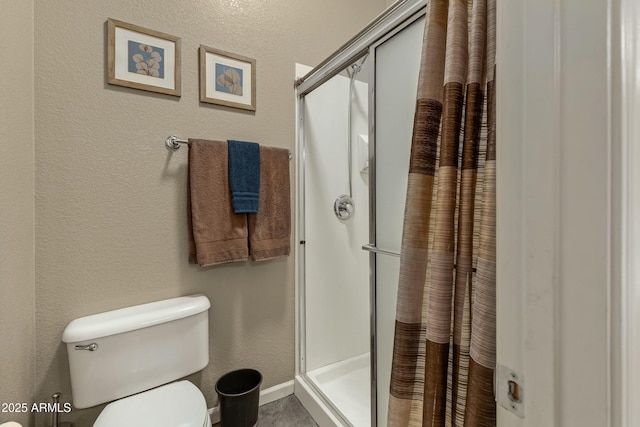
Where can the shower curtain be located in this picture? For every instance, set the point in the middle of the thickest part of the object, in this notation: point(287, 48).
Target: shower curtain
point(445, 329)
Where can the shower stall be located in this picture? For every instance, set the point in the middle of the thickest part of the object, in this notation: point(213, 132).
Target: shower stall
point(354, 124)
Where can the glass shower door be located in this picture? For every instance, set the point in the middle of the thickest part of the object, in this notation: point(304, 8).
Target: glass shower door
point(397, 63)
point(348, 295)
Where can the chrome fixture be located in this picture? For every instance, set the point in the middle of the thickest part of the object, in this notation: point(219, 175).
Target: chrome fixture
point(372, 248)
point(56, 411)
point(91, 347)
point(344, 205)
point(173, 142)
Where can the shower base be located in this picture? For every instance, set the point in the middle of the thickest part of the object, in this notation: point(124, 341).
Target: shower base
point(347, 385)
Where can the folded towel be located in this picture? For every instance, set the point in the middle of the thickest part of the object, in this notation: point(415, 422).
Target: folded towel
point(217, 234)
point(244, 175)
point(270, 227)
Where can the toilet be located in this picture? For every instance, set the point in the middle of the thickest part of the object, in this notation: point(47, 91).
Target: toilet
point(132, 358)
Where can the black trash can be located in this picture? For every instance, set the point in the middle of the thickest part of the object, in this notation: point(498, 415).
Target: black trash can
point(239, 395)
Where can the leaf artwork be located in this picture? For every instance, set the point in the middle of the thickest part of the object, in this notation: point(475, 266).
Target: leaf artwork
point(231, 80)
point(150, 65)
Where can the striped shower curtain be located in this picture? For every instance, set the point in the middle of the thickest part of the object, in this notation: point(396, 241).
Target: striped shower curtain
point(445, 330)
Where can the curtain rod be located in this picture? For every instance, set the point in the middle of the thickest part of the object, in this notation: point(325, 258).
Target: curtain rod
point(174, 142)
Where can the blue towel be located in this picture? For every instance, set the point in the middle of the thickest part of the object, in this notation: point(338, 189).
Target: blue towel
point(244, 175)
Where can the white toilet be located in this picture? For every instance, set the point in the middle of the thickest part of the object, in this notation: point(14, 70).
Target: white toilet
point(130, 351)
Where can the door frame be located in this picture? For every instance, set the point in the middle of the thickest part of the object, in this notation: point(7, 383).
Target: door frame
point(533, 64)
point(624, 22)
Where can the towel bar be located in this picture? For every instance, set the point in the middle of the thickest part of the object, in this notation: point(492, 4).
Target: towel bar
point(174, 142)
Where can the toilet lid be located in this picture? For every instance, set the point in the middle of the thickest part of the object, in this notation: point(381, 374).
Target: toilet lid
point(178, 404)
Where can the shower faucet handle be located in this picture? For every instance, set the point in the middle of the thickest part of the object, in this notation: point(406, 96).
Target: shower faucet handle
point(343, 207)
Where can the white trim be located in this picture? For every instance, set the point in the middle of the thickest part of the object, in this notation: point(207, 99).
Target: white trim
point(214, 414)
point(624, 316)
point(528, 203)
point(268, 395)
point(628, 102)
point(320, 412)
point(276, 392)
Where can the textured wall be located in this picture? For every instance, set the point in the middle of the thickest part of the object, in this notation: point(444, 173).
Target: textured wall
point(110, 199)
point(17, 321)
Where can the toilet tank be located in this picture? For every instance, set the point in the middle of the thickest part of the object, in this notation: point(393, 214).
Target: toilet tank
point(126, 351)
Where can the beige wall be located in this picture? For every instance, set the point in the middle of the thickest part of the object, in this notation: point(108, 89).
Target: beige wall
point(17, 283)
point(110, 199)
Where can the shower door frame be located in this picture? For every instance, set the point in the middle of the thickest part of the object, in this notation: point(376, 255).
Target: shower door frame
point(393, 20)
point(372, 246)
point(301, 368)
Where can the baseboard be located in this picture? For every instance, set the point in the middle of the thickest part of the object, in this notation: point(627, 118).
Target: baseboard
point(268, 395)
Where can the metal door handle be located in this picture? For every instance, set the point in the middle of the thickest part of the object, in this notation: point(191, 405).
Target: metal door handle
point(91, 347)
point(374, 249)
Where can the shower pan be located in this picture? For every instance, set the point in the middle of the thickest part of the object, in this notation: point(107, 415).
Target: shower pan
point(348, 248)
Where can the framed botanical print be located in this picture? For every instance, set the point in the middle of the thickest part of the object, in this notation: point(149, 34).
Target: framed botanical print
point(141, 58)
point(227, 79)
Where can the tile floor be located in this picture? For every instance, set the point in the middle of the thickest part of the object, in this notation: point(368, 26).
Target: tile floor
point(286, 412)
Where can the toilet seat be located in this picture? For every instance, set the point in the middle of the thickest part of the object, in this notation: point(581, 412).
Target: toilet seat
point(179, 404)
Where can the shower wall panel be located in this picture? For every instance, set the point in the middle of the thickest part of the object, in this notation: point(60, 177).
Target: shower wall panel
point(337, 269)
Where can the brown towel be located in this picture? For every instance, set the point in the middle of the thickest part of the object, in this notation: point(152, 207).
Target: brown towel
point(217, 234)
point(270, 227)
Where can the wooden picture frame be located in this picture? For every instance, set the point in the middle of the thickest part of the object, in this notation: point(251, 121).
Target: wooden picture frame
point(141, 58)
point(227, 79)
